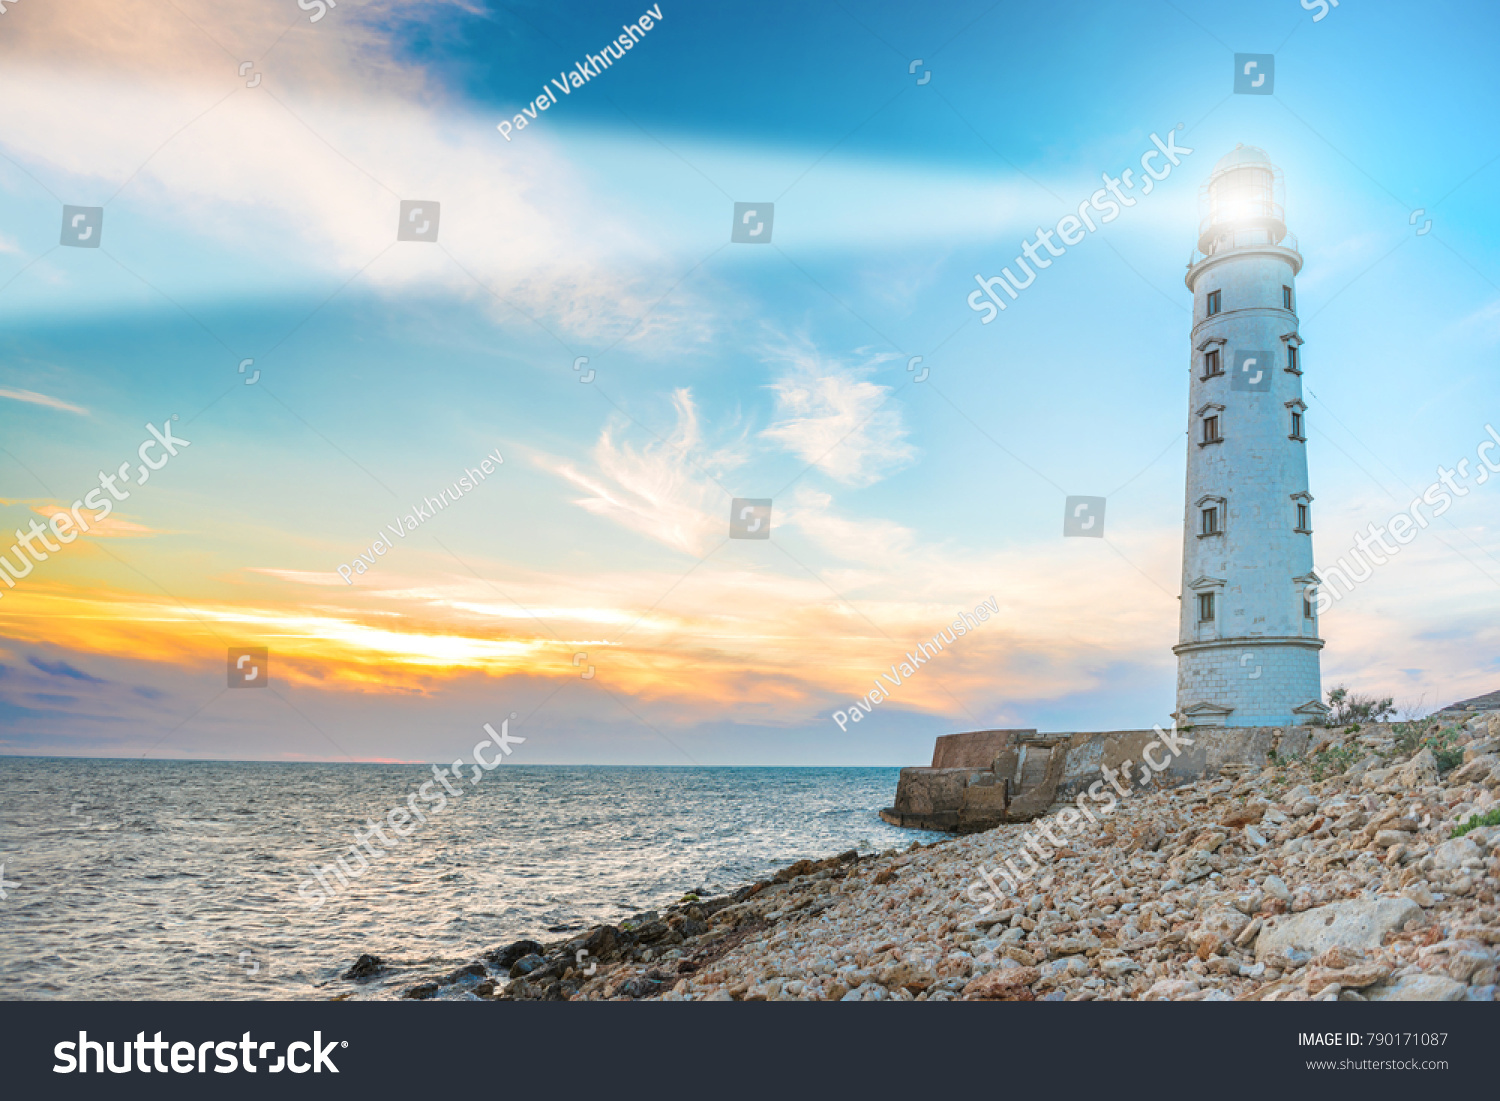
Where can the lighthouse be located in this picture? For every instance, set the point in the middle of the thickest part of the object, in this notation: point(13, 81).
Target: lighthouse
point(1247, 651)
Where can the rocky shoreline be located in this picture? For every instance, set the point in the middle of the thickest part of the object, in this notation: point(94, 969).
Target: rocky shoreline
point(1334, 876)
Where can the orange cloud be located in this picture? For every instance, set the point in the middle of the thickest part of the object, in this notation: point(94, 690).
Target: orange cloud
point(728, 640)
point(111, 527)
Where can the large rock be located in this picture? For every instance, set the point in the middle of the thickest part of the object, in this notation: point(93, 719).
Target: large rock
point(1357, 923)
point(1217, 929)
point(1486, 837)
point(1476, 770)
point(1452, 854)
point(1346, 978)
point(1058, 972)
point(526, 965)
point(472, 970)
point(1190, 866)
point(1420, 893)
point(1243, 815)
point(504, 958)
point(1481, 748)
point(652, 931)
point(1418, 988)
point(599, 943)
point(366, 967)
point(1009, 984)
point(904, 976)
point(1421, 771)
point(1170, 990)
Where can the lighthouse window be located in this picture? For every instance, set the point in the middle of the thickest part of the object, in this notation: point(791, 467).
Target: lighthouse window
point(1205, 607)
point(1214, 303)
point(1307, 607)
point(1286, 297)
point(1211, 363)
point(1304, 518)
point(1210, 429)
point(1291, 359)
point(1297, 426)
point(1211, 521)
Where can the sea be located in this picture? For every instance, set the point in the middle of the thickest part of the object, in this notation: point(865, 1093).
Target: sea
point(156, 880)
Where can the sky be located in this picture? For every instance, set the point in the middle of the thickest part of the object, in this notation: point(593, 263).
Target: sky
point(584, 314)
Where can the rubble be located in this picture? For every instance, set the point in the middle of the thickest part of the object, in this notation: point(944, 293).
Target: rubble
point(1326, 877)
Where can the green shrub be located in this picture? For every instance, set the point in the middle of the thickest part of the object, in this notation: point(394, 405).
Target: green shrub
point(1346, 708)
point(1332, 762)
point(1444, 750)
point(1280, 762)
point(1409, 737)
point(1475, 821)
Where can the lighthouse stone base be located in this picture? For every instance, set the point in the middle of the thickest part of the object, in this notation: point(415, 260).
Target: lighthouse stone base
point(1249, 682)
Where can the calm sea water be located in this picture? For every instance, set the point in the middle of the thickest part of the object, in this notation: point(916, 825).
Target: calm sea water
point(168, 880)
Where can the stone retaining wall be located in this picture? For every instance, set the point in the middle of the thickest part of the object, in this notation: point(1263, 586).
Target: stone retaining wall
point(1029, 771)
point(972, 748)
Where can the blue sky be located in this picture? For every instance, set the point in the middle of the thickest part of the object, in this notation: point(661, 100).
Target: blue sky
point(259, 223)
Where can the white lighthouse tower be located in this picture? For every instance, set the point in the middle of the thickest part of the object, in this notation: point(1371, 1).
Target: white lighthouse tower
point(1248, 644)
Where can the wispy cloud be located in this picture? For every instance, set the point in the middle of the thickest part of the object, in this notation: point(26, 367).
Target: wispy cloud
point(665, 489)
point(33, 398)
point(830, 416)
point(111, 527)
point(153, 106)
point(63, 669)
point(301, 577)
point(873, 541)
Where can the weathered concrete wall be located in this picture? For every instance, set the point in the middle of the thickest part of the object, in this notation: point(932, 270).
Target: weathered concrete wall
point(972, 748)
point(1212, 748)
point(930, 798)
point(1031, 771)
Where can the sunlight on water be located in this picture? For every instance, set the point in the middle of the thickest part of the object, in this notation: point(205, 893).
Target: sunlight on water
point(150, 879)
